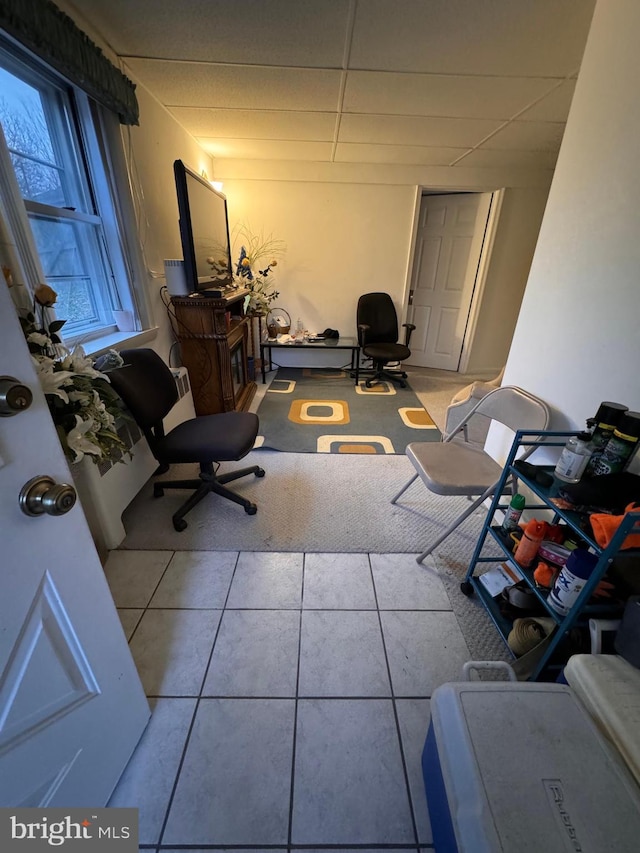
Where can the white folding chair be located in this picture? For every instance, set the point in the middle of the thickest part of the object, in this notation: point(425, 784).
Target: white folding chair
point(456, 468)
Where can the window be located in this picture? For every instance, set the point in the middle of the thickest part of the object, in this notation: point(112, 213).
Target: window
point(50, 132)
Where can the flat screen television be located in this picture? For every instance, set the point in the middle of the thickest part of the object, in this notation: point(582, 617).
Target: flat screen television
point(204, 231)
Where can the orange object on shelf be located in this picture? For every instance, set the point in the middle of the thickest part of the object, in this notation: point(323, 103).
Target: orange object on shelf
point(604, 527)
point(533, 533)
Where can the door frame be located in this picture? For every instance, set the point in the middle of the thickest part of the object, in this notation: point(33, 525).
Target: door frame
point(490, 229)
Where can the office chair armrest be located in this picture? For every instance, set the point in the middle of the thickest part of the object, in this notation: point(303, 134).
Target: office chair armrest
point(407, 335)
point(363, 328)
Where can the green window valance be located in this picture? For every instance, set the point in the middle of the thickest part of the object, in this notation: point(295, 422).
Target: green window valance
point(51, 34)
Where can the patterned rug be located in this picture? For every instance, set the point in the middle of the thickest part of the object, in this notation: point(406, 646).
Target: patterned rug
point(309, 410)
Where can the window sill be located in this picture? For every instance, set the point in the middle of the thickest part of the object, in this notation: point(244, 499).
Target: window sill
point(118, 341)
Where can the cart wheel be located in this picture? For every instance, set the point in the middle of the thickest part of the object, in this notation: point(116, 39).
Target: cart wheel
point(466, 589)
point(179, 524)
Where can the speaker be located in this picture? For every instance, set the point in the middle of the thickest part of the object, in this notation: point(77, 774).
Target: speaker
point(175, 277)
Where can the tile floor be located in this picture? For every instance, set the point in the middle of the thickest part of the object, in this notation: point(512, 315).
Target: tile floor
point(290, 696)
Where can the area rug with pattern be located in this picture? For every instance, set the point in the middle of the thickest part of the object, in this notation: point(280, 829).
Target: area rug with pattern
point(311, 410)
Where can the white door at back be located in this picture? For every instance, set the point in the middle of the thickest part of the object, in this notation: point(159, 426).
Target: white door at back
point(448, 247)
point(72, 708)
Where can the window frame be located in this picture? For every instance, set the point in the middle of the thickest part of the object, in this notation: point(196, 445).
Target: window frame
point(86, 149)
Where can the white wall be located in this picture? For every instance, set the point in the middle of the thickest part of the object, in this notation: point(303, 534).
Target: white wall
point(576, 342)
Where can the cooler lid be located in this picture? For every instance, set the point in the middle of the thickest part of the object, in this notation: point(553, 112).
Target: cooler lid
point(526, 769)
point(609, 688)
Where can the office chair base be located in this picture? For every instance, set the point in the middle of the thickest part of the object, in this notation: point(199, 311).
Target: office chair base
point(208, 482)
point(380, 375)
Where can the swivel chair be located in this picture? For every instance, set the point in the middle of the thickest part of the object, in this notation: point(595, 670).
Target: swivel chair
point(378, 337)
point(148, 389)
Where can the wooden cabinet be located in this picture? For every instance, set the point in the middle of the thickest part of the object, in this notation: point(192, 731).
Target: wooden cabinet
point(213, 335)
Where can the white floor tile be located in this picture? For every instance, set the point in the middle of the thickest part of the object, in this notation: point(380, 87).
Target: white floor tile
point(196, 579)
point(341, 654)
point(425, 649)
point(256, 654)
point(171, 650)
point(267, 580)
point(148, 779)
point(402, 584)
point(349, 784)
point(338, 582)
point(129, 619)
point(413, 717)
point(133, 575)
point(235, 784)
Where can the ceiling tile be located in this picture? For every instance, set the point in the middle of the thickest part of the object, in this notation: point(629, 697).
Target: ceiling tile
point(501, 37)
point(275, 33)
point(436, 95)
point(526, 159)
point(554, 106)
point(415, 130)
point(398, 154)
point(196, 84)
point(267, 149)
point(257, 124)
point(527, 136)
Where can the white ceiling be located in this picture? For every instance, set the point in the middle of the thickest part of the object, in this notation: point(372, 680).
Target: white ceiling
point(428, 82)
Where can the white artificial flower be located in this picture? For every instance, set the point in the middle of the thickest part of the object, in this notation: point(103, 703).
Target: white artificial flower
point(77, 441)
point(39, 339)
point(82, 364)
point(52, 380)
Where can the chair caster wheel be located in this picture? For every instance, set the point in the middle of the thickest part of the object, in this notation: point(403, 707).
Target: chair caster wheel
point(466, 589)
point(252, 509)
point(158, 492)
point(179, 524)
point(260, 472)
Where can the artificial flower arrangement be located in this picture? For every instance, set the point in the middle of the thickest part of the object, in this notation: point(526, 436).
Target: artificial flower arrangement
point(253, 252)
point(83, 405)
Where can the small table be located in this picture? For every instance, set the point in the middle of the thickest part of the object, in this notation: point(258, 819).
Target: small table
point(324, 344)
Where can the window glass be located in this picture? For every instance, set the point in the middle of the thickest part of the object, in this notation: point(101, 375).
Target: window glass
point(56, 175)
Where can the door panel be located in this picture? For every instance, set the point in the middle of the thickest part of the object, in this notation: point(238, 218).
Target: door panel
point(72, 708)
point(448, 246)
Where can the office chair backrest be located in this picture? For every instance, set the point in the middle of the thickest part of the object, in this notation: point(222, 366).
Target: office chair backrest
point(378, 311)
point(146, 386)
point(511, 406)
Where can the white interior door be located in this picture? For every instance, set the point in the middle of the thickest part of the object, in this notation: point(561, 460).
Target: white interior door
point(72, 708)
point(448, 245)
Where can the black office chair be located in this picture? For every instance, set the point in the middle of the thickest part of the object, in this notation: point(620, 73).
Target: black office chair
point(378, 337)
point(148, 389)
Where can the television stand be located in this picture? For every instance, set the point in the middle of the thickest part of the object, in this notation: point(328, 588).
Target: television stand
point(213, 334)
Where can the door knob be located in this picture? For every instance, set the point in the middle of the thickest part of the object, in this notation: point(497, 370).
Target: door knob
point(43, 496)
point(14, 396)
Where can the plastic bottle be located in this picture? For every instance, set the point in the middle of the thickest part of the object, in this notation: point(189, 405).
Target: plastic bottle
point(513, 513)
point(533, 534)
point(571, 580)
point(575, 456)
point(606, 420)
point(621, 446)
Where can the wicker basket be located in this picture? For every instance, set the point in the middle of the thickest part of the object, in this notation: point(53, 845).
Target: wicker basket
point(278, 322)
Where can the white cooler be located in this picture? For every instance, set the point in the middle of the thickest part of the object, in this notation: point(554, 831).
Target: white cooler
point(522, 767)
point(609, 688)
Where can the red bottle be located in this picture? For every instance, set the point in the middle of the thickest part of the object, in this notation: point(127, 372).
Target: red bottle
point(533, 534)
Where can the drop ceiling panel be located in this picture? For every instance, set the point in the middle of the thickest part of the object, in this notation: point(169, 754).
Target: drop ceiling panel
point(501, 37)
point(527, 136)
point(554, 106)
point(194, 84)
point(257, 124)
point(267, 149)
point(435, 95)
point(415, 130)
point(399, 154)
point(484, 158)
point(277, 32)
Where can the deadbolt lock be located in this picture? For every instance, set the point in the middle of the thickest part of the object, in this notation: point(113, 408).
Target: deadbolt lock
point(43, 496)
point(14, 396)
